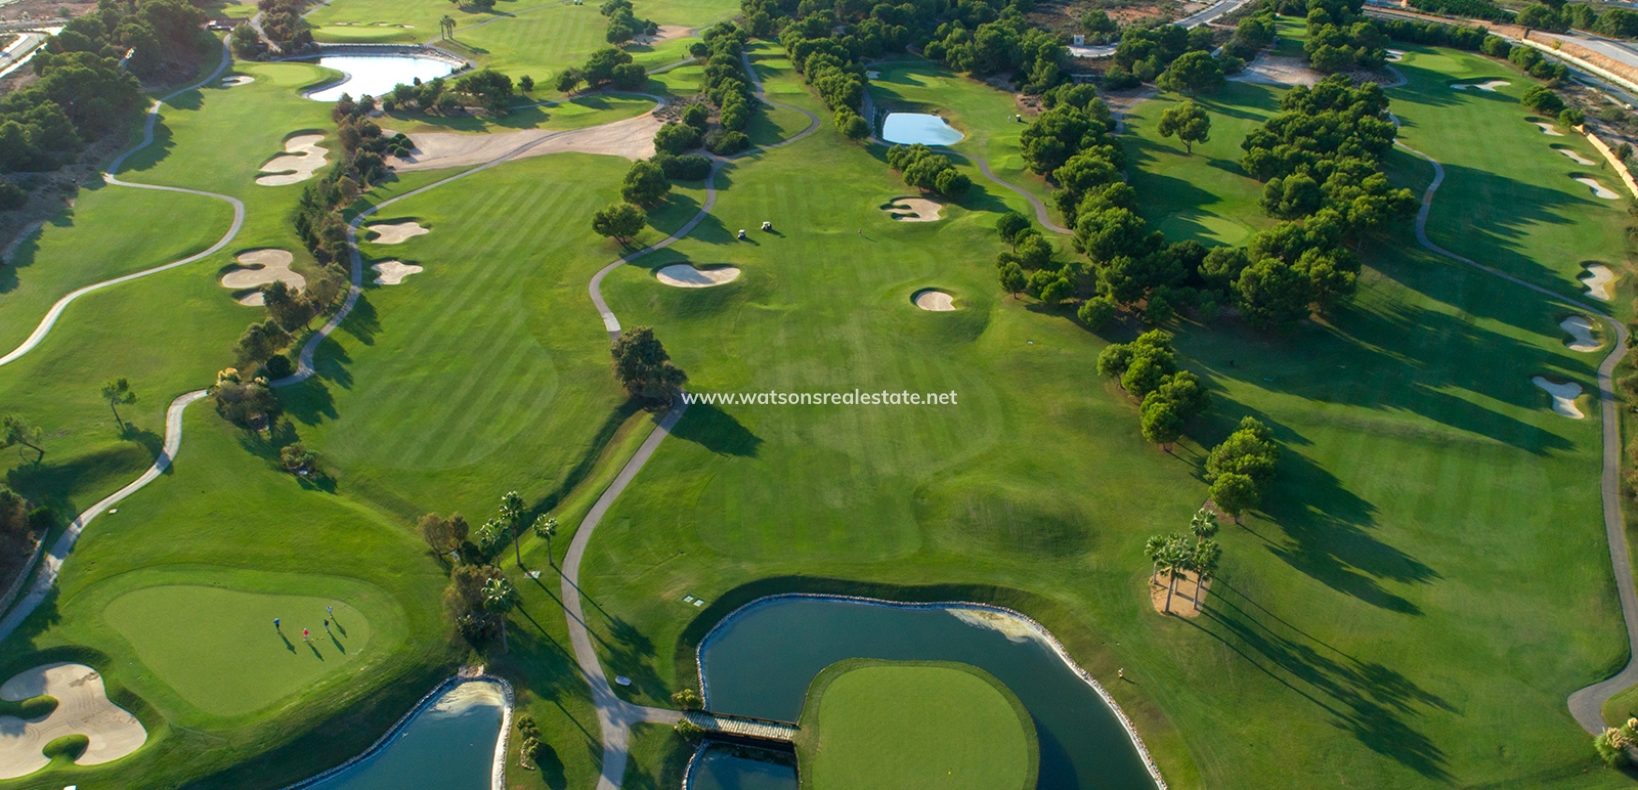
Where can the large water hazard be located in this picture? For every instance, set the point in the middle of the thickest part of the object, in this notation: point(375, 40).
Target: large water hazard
point(449, 745)
point(761, 661)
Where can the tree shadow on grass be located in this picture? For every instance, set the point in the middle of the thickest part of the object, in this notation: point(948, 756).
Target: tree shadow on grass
point(631, 654)
point(362, 323)
point(709, 426)
point(1367, 699)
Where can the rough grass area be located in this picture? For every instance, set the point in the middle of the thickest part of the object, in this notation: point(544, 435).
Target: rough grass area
point(912, 723)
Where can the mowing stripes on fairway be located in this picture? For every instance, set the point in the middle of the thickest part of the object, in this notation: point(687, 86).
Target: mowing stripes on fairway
point(474, 320)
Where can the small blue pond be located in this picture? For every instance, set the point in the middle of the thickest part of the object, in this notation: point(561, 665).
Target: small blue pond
point(374, 75)
point(449, 745)
point(918, 127)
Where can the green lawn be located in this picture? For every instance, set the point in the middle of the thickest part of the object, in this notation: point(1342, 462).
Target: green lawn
point(416, 20)
point(218, 646)
point(915, 724)
point(1430, 507)
point(1203, 196)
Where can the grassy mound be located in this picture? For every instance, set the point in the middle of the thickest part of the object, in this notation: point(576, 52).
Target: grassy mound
point(31, 708)
point(911, 723)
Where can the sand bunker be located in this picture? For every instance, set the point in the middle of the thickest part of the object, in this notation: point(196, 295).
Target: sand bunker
point(303, 157)
point(936, 301)
point(1580, 330)
point(263, 267)
point(1487, 85)
point(82, 709)
point(394, 272)
point(1564, 396)
point(681, 275)
point(632, 138)
point(237, 80)
point(1547, 129)
point(664, 34)
point(1597, 279)
point(1278, 70)
point(1396, 54)
point(396, 233)
point(1182, 597)
point(911, 209)
point(1574, 157)
point(1598, 190)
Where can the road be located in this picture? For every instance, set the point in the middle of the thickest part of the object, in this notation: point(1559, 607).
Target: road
point(1196, 19)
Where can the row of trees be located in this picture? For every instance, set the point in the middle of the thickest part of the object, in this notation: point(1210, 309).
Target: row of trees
point(623, 24)
point(1008, 45)
point(610, 66)
point(283, 24)
point(486, 88)
point(832, 68)
point(1177, 555)
point(1241, 469)
point(727, 87)
point(1340, 38)
point(479, 595)
point(928, 171)
point(1147, 369)
point(1475, 9)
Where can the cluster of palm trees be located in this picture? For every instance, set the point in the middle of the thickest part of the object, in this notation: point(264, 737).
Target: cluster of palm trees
point(499, 594)
point(1176, 554)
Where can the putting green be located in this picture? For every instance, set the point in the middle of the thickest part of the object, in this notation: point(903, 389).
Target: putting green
point(218, 648)
point(872, 723)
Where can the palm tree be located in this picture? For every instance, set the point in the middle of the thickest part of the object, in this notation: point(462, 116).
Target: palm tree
point(1152, 549)
point(1177, 556)
point(447, 25)
point(500, 596)
point(511, 510)
point(1207, 555)
point(118, 393)
point(546, 528)
point(1203, 525)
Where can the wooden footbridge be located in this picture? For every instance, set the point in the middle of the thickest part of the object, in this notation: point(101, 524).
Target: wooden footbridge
point(742, 726)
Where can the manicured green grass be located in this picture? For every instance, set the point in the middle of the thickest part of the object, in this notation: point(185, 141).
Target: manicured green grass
point(419, 16)
point(915, 724)
point(366, 34)
point(1205, 196)
point(576, 113)
point(219, 649)
point(1508, 199)
point(1430, 507)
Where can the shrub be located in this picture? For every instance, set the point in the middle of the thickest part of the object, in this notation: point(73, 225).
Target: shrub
point(730, 143)
point(297, 459)
point(1097, 312)
point(675, 138)
point(688, 167)
point(697, 115)
point(12, 197)
point(620, 221)
point(1571, 117)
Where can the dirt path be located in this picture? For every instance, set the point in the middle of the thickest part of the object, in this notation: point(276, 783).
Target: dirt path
point(111, 176)
point(1587, 704)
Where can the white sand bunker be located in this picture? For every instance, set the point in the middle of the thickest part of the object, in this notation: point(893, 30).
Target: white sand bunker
point(912, 209)
point(1564, 396)
point(1278, 70)
point(263, 267)
point(82, 709)
point(1580, 330)
point(681, 275)
point(664, 34)
point(1547, 129)
point(1598, 190)
point(394, 272)
point(1396, 54)
point(302, 158)
point(396, 233)
point(1574, 157)
point(934, 300)
point(1487, 85)
point(1597, 279)
point(632, 138)
point(237, 80)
